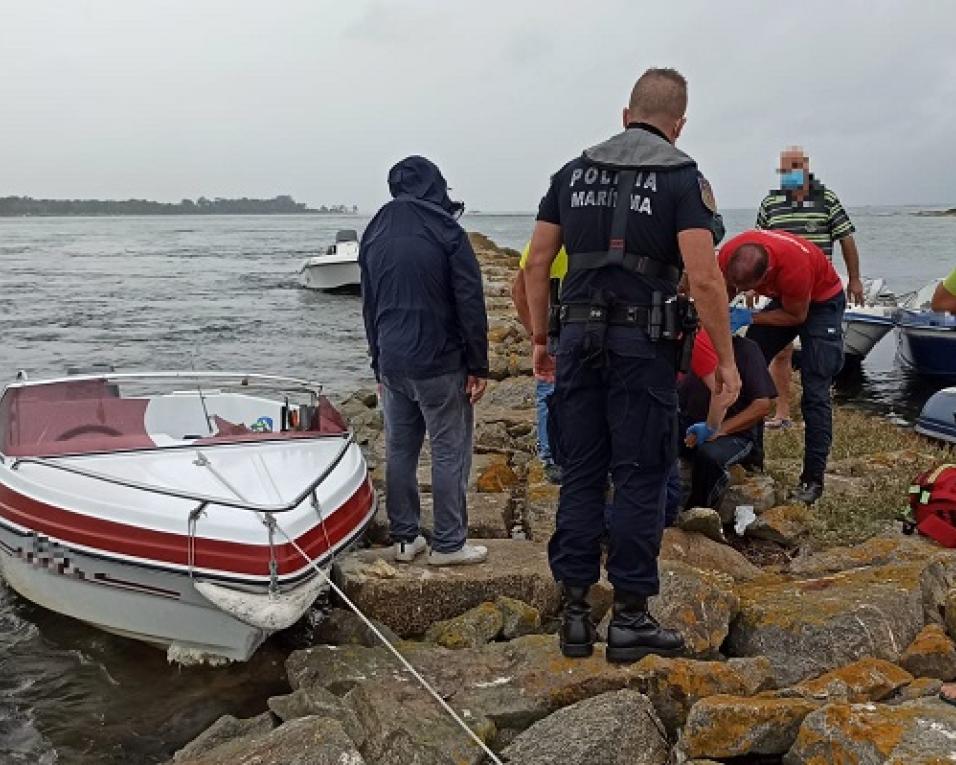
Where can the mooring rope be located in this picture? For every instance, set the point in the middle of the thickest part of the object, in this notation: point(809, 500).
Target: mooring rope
point(405, 663)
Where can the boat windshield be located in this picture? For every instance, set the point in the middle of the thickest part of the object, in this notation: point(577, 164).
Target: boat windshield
point(86, 416)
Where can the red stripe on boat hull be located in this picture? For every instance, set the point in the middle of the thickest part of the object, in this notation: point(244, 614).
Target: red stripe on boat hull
point(166, 547)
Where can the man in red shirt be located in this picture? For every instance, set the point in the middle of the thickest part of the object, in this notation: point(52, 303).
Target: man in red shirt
point(807, 300)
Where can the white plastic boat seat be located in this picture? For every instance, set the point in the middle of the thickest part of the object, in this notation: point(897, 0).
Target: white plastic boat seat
point(186, 414)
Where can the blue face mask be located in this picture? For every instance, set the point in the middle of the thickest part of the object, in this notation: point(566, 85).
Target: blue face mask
point(792, 179)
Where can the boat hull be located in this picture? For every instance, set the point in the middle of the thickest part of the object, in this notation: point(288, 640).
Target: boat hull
point(329, 273)
point(863, 329)
point(150, 603)
point(938, 417)
point(929, 350)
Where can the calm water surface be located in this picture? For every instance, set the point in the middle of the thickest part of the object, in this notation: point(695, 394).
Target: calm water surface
point(221, 293)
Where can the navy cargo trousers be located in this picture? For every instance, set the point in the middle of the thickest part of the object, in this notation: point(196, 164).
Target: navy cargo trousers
point(619, 418)
point(821, 358)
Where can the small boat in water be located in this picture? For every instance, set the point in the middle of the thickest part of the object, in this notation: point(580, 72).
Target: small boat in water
point(938, 418)
point(192, 519)
point(337, 269)
point(927, 338)
point(927, 342)
point(864, 326)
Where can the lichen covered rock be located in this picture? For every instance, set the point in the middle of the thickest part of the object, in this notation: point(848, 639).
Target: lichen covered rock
point(809, 626)
point(699, 604)
point(921, 732)
point(931, 654)
point(477, 626)
point(733, 726)
point(868, 679)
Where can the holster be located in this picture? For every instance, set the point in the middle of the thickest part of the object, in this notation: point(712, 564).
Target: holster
point(594, 346)
point(554, 315)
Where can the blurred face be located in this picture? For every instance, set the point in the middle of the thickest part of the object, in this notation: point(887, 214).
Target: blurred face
point(794, 168)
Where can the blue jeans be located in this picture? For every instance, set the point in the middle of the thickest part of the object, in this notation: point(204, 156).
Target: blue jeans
point(440, 407)
point(619, 418)
point(542, 390)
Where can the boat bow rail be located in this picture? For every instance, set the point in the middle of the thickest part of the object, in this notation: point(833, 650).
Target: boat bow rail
point(203, 499)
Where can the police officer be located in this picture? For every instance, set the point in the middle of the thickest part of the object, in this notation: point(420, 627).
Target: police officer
point(632, 213)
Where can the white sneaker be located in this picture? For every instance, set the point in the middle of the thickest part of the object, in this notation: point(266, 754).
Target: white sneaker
point(405, 552)
point(467, 555)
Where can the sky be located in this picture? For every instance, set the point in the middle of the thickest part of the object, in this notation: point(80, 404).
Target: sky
point(167, 99)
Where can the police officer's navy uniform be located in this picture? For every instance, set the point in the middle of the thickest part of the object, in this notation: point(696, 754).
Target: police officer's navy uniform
point(614, 410)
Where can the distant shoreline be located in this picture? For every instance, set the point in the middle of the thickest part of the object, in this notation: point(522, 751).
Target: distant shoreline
point(27, 207)
point(950, 213)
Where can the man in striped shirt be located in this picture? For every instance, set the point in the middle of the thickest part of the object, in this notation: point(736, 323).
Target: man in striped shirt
point(805, 207)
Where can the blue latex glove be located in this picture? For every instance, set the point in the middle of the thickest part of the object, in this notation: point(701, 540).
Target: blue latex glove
point(698, 433)
point(740, 317)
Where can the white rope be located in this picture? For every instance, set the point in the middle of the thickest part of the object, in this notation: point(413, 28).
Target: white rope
point(424, 683)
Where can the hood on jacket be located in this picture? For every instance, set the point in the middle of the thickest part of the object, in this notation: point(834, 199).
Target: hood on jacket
point(419, 178)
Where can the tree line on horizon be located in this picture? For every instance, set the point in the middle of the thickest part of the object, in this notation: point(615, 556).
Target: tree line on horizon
point(279, 205)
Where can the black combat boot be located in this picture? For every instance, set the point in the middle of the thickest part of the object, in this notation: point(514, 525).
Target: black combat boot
point(633, 633)
point(577, 629)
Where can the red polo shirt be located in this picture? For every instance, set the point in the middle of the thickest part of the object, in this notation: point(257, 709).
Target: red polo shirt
point(796, 268)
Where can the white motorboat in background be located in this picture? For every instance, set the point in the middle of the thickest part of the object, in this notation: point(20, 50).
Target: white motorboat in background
point(864, 326)
point(184, 518)
point(337, 269)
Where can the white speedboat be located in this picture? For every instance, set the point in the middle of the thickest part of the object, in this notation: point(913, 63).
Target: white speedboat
point(188, 519)
point(863, 326)
point(337, 269)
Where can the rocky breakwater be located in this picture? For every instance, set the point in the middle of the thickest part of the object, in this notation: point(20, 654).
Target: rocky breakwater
point(807, 643)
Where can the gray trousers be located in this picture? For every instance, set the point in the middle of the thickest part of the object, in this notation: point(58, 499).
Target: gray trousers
point(438, 406)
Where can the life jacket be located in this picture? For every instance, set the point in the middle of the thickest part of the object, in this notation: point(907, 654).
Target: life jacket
point(932, 498)
point(626, 154)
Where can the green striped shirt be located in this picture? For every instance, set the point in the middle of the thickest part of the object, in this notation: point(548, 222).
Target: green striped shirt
point(820, 219)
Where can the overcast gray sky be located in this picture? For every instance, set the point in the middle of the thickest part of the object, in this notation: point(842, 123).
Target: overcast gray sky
point(167, 99)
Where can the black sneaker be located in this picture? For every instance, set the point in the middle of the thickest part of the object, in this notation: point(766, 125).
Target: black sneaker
point(553, 473)
point(807, 492)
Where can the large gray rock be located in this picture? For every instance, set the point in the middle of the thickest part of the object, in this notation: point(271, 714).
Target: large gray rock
point(340, 627)
point(475, 627)
point(404, 725)
point(225, 730)
point(921, 732)
point(617, 728)
point(733, 726)
point(410, 598)
point(888, 547)
point(514, 684)
point(304, 741)
point(700, 552)
point(806, 627)
point(931, 654)
point(702, 520)
point(699, 604)
point(317, 702)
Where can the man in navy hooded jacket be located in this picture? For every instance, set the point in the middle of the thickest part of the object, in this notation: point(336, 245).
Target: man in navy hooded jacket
point(424, 310)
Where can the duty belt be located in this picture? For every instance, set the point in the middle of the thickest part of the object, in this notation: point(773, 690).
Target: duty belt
point(616, 315)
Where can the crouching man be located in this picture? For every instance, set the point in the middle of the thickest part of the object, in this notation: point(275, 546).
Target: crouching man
point(739, 437)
